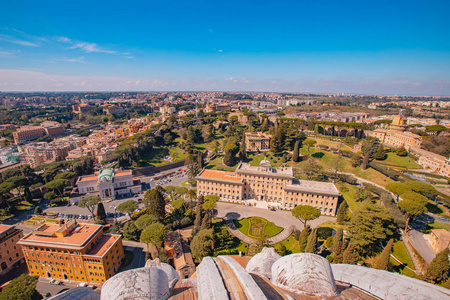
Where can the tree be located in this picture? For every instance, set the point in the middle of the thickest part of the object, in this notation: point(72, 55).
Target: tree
point(144, 221)
point(154, 234)
point(224, 239)
point(21, 288)
point(337, 246)
point(66, 175)
point(210, 203)
point(131, 232)
point(205, 222)
point(281, 249)
point(351, 255)
point(369, 146)
point(27, 195)
point(295, 155)
point(115, 227)
point(228, 158)
point(58, 185)
point(422, 188)
point(382, 262)
point(305, 213)
point(128, 206)
point(397, 188)
point(309, 143)
point(191, 195)
point(439, 268)
point(380, 154)
point(89, 202)
point(192, 168)
point(276, 142)
point(311, 167)
point(154, 201)
point(341, 215)
point(311, 246)
point(200, 163)
point(101, 214)
point(401, 151)
point(370, 225)
point(303, 239)
point(202, 244)
point(38, 210)
point(413, 204)
point(242, 154)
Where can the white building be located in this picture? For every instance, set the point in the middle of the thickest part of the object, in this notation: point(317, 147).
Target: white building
point(107, 184)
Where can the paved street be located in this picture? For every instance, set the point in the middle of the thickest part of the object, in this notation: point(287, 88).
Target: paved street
point(416, 237)
point(279, 217)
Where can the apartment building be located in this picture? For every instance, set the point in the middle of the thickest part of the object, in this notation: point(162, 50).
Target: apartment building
point(52, 128)
point(167, 110)
point(28, 133)
point(72, 251)
point(275, 186)
point(257, 141)
point(107, 184)
point(10, 252)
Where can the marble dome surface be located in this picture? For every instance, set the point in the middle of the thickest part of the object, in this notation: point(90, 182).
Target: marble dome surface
point(262, 262)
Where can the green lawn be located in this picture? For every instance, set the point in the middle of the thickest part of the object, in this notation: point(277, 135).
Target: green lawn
point(216, 164)
point(437, 225)
point(257, 227)
point(238, 245)
point(349, 196)
point(399, 161)
point(291, 245)
point(400, 252)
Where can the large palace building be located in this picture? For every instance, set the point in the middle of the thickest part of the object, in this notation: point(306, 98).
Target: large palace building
point(72, 251)
point(107, 184)
point(275, 186)
point(257, 141)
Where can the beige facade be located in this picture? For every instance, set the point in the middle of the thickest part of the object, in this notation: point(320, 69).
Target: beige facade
point(439, 240)
point(257, 141)
point(10, 252)
point(275, 186)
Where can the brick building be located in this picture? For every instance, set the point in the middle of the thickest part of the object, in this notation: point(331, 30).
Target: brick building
point(277, 187)
point(72, 251)
point(28, 133)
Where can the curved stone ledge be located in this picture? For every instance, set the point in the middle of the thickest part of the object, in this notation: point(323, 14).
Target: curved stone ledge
point(209, 281)
point(387, 285)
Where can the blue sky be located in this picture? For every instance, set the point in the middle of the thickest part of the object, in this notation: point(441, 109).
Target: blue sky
point(381, 47)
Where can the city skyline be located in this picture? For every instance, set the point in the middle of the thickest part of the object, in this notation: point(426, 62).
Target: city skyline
point(349, 47)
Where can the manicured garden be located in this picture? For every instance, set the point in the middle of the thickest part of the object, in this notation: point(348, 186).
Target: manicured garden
point(399, 161)
point(257, 228)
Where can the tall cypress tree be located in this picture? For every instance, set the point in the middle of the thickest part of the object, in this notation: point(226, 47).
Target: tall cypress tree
point(337, 246)
point(200, 163)
point(303, 239)
point(101, 214)
point(351, 255)
point(341, 215)
point(27, 194)
point(311, 246)
point(383, 261)
point(295, 155)
point(242, 149)
point(438, 269)
point(154, 201)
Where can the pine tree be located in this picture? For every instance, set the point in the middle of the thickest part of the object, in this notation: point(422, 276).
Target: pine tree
point(351, 255)
point(198, 216)
point(311, 246)
point(295, 155)
point(383, 261)
point(154, 201)
point(379, 154)
point(242, 150)
point(276, 143)
point(337, 245)
point(341, 215)
point(438, 269)
point(101, 214)
point(303, 239)
point(200, 163)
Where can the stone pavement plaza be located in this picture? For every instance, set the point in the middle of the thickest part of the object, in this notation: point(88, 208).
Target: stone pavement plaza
point(280, 218)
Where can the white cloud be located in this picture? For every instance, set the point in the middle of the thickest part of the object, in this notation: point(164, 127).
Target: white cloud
point(9, 39)
point(63, 39)
point(91, 47)
point(72, 60)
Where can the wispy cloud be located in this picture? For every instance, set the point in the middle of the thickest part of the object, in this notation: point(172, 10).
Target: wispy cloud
point(63, 39)
point(72, 60)
point(91, 48)
point(13, 40)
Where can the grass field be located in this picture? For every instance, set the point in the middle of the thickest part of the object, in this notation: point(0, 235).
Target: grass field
point(437, 225)
point(399, 161)
point(291, 245)
point(257, 227)
point(349, 196)
point(216, 164)
point(399, 251)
